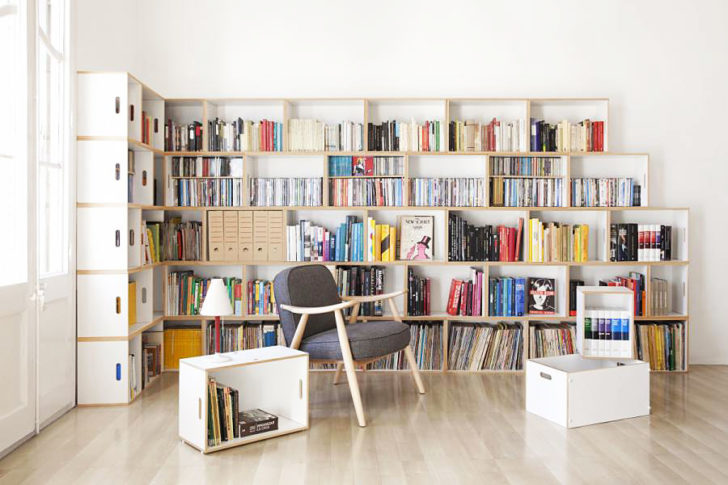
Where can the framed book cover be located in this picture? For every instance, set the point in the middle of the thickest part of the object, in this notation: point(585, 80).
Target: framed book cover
point(415, 236)
point(541, 296)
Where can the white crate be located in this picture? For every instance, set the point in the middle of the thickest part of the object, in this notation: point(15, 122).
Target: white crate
point(573, 391)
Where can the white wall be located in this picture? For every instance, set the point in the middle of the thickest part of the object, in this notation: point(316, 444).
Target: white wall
point(662, 63)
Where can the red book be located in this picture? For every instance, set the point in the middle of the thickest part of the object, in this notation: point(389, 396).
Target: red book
point(503, 238)
point(465, 290)
point(454, 298)
point(427, 296)
point(518, 239)
point(250, 297)
point(511, 244)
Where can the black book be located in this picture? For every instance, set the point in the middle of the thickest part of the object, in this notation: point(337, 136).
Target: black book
point(621, 242)
point(633, 242)
point(636, 196)
point(668, 243)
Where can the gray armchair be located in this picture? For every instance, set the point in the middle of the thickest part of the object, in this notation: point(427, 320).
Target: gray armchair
point(310, 310)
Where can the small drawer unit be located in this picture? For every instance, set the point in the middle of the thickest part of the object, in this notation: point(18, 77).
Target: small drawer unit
point(573, 391)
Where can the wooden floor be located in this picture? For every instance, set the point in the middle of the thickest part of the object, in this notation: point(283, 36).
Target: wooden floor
point(469, 428)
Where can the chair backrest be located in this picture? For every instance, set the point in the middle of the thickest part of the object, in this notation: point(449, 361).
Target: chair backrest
point(309, 285)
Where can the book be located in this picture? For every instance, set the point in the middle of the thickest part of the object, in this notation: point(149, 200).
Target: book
point(584, 136)
point(507, 296)
point(446, 192)
point(366, 166)
point(554, 241)
point(527, 166)
point(365, 192)
point(218, 192)
point(662, 344)
point(416, 233)
point(485, 346)
point(382, 241)
point(418, 294)
point(172, 240)
point(526, 192)
point(281, 191)
point(495, 136)
point(182, 167)
point(182, 137)
point(361, 281)
point(308, 242)
point(604, 192)
point(255, 421)
point(635, 282)
point(427, 136)
point(541, 296)
point(640, 242)
point(222, 413)
point(551, 339)
point(659, 296)
point(244, 135)
point(483, 243)
point(465, 297)
point(261, 298)
point(607, 333)
point(315, 135)
point(426, 344)
point(186, 292)
point(242, 336)
point(573, 285)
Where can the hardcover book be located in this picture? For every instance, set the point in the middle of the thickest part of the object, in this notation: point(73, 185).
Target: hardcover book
point(256, 421)
point(416, 238)
point(541, 296)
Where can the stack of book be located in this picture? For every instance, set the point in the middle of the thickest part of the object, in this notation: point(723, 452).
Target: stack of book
point(365, 166)
point(268, 192)
point(584, 136)
point(206, 167)
point(466, 297)
point(186, 292)
point(496, 136)
point(526, 192)
point(446, 192)
point(485, 346)
point(426, 343)
point(244, 135)
point(659, 296)
point(306, 242)
point(553, 241)
point(314, 135)
point(551, 339)
point(662, 344)
point(393, 136)
point(483, 243)
point(606, 333)
point(640, 242)
point(370, 192)
point(172, 240)
point(635, 282)
point(261, 298)
point(382, 241)
point(222, 413)
point(182, 137)
point(527, 166)
point(418, 294)
point(605, 192)
point(219, 192)
point(238, 336)
point(362, 281)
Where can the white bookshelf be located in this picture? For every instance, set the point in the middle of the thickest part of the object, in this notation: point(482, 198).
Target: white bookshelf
point(105, 135)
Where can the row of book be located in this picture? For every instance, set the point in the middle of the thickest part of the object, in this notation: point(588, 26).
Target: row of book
point(426, 344)
point(635, 282)
point(640, 242)
point(382, 241)
point(172, 240)
point(514, 297)
point(361, 281)
point(186, 292)
point(244, 135)
point(551, 339)
point(606, 333)
point(281, 191)
point(485, 346)
point(605, 192)
point(261, 298)
point(223, 403)
point(151, 361)
point(446, 192)
point(483, 243)
point(556, 242)
point(239, 336)
point(307, 242)
point(527, 166)
point(428, 136)
point(381, 192)
point(206, 167)
point(365, 166)
point(528, 192)
point(207, 192)
point(466, 296)
point(418, 294)
point(181, 137)
point(496, 136)
point(584, 136)
point(314, 135)
point(659, 296)
point(662, 344)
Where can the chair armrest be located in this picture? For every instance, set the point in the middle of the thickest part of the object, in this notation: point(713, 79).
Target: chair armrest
point(370, 298)
point(315, 310)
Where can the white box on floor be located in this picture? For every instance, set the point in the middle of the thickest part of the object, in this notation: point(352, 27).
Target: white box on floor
point(573, 391)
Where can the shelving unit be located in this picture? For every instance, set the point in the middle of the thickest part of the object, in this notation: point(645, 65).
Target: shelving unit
point(103, 207)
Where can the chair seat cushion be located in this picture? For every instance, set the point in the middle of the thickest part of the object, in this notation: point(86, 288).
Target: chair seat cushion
point(367, 340)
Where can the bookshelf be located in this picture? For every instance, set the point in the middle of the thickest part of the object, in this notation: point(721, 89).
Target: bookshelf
point(103, 206)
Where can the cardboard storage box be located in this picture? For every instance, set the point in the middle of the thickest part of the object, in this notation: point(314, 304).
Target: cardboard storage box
point(573, 391)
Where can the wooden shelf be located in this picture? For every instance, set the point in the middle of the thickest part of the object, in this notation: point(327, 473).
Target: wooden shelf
point(373, 153)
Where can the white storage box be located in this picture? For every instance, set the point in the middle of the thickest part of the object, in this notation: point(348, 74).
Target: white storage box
point(573, 391)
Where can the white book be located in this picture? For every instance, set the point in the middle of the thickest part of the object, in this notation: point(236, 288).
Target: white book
point(626, 343)
point(601, 327)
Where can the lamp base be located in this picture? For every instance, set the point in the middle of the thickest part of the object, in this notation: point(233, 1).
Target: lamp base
point(218, 358)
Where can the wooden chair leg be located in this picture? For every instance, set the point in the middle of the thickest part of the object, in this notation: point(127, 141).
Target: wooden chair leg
point(337, 375)
point(350, 369)
point(415, 371)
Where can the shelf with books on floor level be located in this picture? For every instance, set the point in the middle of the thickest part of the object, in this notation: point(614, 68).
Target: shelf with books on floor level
point(312, 165)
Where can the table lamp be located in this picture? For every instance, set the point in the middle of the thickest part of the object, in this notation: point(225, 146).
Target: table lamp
point(217, 304)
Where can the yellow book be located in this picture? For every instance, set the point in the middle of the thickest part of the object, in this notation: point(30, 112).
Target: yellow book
point(378, 242)
point(394, 245)
point(386, 243)
point(150, 240)
point(132, 302)
point(584, 242)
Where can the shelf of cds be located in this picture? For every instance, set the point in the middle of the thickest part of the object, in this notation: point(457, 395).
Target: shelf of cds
point(520, 201)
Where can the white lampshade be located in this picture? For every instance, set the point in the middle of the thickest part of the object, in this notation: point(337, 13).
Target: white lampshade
point(217, 301)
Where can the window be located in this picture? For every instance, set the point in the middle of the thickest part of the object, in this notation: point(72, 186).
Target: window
point(13, 145)
point(52, 148)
